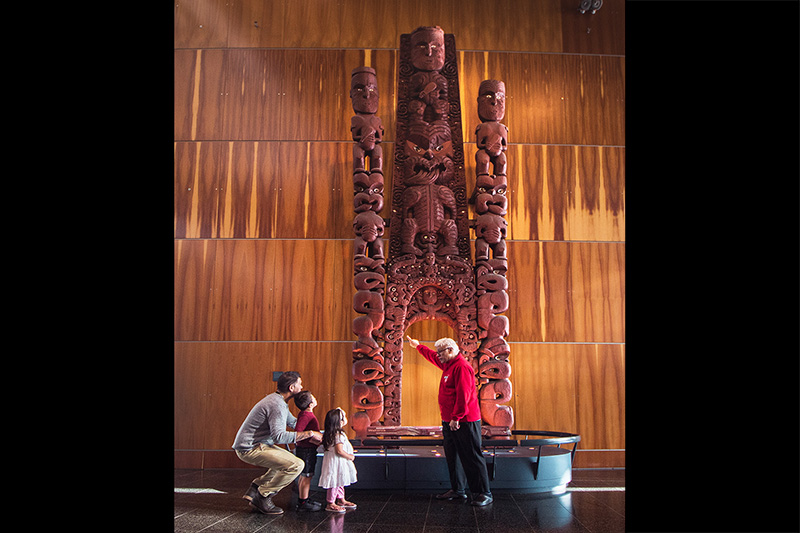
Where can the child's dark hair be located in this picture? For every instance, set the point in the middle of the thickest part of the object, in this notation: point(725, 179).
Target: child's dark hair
point(302, 399)
point(333, 426)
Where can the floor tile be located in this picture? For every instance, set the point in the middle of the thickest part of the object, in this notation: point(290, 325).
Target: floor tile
point(211, 501)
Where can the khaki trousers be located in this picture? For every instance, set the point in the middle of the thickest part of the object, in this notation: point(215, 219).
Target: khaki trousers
point(283, 467)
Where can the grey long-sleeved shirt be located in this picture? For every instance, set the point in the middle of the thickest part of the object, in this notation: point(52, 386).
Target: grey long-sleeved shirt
point(266, 423)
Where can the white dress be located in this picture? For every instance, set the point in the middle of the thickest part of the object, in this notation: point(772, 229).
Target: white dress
point(336, 470)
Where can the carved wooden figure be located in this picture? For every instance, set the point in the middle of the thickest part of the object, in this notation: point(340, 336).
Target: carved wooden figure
point(428, 268)
point(491, 135)
point(366, 128)
point(368, 252)
point(491, 205)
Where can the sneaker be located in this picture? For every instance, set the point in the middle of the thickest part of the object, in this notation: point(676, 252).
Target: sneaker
point(309, 505)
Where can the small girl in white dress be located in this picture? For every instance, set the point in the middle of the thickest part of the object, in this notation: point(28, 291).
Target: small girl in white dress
point(338, 469)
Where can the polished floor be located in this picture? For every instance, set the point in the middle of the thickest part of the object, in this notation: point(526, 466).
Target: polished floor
point(211, 501)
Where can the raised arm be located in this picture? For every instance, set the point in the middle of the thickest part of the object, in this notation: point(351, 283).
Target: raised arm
point(426, 352)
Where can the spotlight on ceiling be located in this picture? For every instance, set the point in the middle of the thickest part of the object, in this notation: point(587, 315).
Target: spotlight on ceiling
point(590, 5)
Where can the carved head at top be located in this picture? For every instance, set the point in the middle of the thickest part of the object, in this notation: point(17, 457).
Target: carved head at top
point(427, 48)
point(492, 100)
point(364, 90)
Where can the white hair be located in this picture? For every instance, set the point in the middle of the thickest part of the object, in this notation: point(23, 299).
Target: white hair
point(447, 342)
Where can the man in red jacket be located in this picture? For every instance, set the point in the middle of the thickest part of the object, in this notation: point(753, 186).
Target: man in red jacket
point(461, 422)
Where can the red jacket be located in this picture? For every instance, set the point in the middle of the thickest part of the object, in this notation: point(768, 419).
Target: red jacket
point(458, 395)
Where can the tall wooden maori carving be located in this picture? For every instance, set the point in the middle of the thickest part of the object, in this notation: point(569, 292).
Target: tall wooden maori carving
point(368, 254)
point(491, 263)
point(428, 268)
point(429, 272)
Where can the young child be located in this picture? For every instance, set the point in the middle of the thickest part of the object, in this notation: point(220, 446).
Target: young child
point(338, 469)
point(306, 449)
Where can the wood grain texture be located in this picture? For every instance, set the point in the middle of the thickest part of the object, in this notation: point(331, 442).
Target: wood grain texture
point(256, 94)
point(190, 395)
point(544, 26)
point(566, 292)
point(252, 98)
point(240, 190)
point(600, 385)
point(259, 290)
point(507, 25)
point(256, 24)
point(262, 289)
point(201, 23)
point(544, 386)
point(566, 193)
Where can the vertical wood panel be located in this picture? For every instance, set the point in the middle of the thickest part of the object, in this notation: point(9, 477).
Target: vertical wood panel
point(566, 292)
point(544, 386)
point(557, 291)
point(594, 117)
point(317, 84)
point(369, 24)
point(243, 290)
point(194, 274)
point(566, 192)
point(601, 395)
point(304, 295)
point(208, 107)
point(311, 190)
point(254, 84)
point(596, 198)
point(535, 102)
point(598, 289)
point(525, 309)
point(414, 13)
point(201, 23)
point(601, 33)
point(191, 379)
point(507, 25)
point(184, 69)
point(313, 24)
point(256, 23)
point(248, 204)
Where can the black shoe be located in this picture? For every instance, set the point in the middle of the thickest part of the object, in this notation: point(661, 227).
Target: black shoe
point(482, 499)
point(451, 495)
point(264, 505)
point(251, 493)
point(309, 505)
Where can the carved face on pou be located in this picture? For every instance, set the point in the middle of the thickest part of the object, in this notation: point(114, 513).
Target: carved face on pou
point(427, 48)
point(492, 100)
point(427, 159)
point(364, 90)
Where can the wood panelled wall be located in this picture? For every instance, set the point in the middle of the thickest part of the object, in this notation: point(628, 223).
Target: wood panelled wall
point(263, 206)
